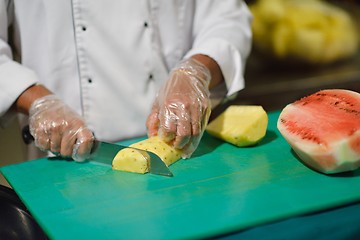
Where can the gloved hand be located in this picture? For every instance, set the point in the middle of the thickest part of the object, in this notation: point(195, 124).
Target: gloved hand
point(182, 107)
point(57, 128)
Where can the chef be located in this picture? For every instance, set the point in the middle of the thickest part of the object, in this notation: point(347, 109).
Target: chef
point(111, 70)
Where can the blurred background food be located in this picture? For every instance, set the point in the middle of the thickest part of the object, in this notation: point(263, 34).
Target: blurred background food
point(300, 47)
point(304, 31)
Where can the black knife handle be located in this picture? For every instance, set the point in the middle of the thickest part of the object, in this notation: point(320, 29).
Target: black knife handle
point(26, 135)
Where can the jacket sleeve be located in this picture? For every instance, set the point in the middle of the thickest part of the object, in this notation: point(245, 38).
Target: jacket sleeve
point(14, 78)
point(222, 31)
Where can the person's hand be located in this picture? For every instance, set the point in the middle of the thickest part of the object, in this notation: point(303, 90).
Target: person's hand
point(182, 107)
point(57, 128)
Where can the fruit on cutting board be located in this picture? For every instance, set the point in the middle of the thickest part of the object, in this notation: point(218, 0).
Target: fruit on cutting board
point(324, 130)
point(241, 125)
point(132, 160)
point(310, 31)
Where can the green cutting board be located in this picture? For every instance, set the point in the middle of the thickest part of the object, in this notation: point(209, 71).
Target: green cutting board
point(221, 189)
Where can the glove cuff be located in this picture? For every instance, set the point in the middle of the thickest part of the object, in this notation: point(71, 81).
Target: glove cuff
point(43, 103)
point(196, 69)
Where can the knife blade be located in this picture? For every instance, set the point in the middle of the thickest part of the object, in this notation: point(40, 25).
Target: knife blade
point(104, 152)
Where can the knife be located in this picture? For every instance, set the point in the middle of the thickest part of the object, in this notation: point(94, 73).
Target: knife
point(104, 153)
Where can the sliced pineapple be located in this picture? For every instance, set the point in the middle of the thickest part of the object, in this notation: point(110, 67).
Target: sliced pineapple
point(132, 160)
point(240, 125)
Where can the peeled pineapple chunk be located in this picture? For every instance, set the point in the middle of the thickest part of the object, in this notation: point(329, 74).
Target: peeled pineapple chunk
point(240, 125)
point(132, 160)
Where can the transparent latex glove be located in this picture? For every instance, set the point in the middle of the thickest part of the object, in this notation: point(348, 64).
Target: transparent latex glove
point(57, 128)
point(182, 107)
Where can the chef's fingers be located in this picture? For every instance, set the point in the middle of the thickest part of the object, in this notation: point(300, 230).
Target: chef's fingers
point(195, 125)
point(183, 126)
point(168, 122)
point(55, 142)
point(195, 120)
point(67, 143)
point(152, 122)
point(199, 117)
point(41, 131)
point(42, 140)
point(200, 114)
point(84, 143)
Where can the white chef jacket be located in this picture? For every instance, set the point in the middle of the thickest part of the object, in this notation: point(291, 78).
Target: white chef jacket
point(107, 58)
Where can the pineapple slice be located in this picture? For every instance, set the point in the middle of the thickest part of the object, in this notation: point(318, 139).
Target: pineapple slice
point(132, 160)
point(240, 125)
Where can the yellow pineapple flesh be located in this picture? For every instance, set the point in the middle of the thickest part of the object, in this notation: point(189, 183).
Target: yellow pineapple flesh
point(241, 125)
point(133, 160)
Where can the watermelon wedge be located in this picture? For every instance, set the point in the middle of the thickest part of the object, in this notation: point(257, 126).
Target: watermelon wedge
point(323, 129)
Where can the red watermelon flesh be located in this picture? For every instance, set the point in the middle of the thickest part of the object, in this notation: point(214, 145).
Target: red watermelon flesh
point(324, 130)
